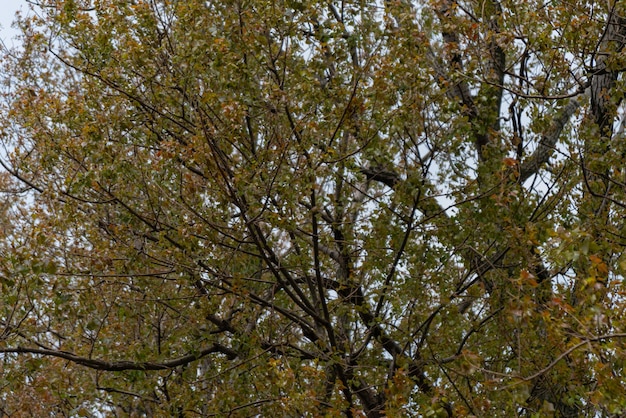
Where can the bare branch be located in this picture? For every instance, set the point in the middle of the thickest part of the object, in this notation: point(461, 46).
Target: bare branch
point(121, 365)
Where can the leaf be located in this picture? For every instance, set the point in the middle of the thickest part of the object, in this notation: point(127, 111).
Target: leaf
point(312, 203)
point(510, 162)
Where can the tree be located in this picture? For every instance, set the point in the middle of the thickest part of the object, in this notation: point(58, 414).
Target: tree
point(249, 208)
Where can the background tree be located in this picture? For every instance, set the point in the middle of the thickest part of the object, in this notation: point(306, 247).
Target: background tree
point(240, 208)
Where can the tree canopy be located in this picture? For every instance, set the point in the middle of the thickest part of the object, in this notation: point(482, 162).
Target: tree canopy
point(314, 208)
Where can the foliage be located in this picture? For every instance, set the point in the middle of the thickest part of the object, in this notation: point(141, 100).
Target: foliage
point(255, 208)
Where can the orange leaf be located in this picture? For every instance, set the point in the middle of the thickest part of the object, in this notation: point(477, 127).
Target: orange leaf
point(510, 162)
point(595, 259)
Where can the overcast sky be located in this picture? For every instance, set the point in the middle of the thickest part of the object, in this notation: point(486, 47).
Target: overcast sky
point(7, 12)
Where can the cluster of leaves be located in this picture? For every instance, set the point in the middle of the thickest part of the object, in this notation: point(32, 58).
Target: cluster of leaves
point(313, 208)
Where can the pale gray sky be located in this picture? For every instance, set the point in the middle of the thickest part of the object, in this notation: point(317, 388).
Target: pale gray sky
point(7, 12)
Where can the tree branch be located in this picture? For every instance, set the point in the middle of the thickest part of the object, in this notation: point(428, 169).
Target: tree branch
point(548, 141)
point(122, 365)
point(571, 350)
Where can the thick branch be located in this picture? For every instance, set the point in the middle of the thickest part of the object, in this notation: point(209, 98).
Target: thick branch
point(116, 366)
point(604, 79)
point(548, 141)
point(386, 177)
